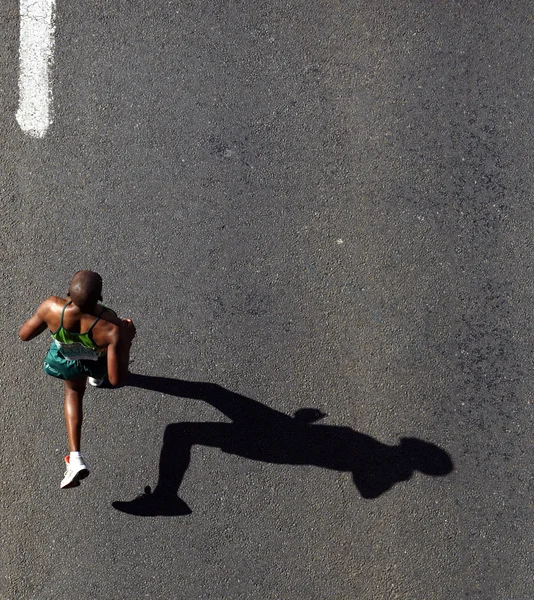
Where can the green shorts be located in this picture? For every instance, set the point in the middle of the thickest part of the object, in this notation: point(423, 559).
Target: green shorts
point(58, 366)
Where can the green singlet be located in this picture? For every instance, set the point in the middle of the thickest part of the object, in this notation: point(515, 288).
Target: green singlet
point(74, 355)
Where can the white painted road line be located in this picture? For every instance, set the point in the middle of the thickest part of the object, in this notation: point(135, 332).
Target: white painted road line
point(36, 50)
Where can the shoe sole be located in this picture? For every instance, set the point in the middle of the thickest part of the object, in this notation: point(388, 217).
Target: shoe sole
point(76, 479)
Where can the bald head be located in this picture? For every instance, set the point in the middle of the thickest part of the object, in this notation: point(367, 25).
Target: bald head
point(85, 289)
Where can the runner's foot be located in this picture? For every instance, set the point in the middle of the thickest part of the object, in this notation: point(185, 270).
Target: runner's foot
point(95, 382)
point(74, 474)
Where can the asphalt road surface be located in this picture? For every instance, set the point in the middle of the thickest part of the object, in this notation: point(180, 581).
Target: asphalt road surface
point(317, 205)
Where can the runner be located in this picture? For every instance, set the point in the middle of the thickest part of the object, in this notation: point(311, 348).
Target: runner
point(90, 342)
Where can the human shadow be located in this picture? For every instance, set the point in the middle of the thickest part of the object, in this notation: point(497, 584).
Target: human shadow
point(262, 433)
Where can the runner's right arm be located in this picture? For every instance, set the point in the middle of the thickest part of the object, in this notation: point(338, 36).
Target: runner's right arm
point(36, 324)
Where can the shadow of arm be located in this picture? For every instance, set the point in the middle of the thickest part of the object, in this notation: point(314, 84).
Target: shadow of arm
point(236, 407)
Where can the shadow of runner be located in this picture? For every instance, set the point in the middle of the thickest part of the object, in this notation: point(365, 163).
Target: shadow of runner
point(262, 433)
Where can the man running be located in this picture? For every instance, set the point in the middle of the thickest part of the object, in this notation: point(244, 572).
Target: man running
point(90, 342)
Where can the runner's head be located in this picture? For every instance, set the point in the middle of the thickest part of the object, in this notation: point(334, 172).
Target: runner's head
point(426, 457)
point(85, 289)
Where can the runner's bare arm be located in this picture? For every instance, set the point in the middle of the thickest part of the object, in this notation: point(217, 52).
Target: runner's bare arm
point(36, 324)
point(127, 334)
point(119, 351)
point(114, 371)
point(128, 330)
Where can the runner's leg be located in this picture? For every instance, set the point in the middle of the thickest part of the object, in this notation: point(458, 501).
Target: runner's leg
point(74, 391)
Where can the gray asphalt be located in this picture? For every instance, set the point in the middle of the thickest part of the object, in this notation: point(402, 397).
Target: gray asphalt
point(323, 205)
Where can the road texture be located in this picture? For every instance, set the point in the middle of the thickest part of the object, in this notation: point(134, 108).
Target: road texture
point(304, 205)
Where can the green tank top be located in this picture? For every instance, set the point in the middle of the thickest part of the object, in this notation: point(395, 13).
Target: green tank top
point(78, 346)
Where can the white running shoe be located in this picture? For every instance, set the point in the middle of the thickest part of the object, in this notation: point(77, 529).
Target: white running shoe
point(95, 382)
point(74, 473)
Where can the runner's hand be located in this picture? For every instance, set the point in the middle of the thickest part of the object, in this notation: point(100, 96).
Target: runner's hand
point(128, 329)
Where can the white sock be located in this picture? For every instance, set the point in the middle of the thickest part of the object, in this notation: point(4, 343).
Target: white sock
point(77, 456)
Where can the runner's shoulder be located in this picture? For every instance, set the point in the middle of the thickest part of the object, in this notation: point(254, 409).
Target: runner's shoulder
point(105, 331)
point(110, 317)
point(52, 304)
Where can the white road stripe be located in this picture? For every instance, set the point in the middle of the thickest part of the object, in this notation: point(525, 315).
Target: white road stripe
point(35, 55)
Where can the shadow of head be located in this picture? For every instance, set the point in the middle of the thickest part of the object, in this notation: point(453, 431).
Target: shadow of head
point(425, 457)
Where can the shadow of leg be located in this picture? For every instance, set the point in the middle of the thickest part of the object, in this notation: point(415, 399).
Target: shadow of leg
point(174, 461)
point(153, 505)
